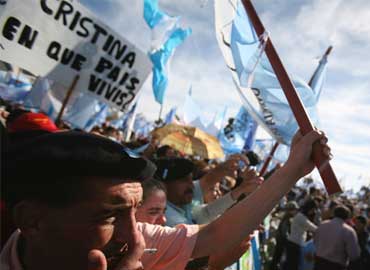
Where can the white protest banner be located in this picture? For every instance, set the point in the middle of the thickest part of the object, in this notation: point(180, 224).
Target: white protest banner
point(61, 39)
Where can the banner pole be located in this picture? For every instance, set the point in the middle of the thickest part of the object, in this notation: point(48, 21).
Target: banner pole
point(268, 159)
point(304, 123)
point(326, 54)
point(66, 99)
point(160, 114)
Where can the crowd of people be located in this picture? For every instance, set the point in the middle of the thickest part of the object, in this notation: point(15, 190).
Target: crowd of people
point(310, 230)
point(77, 200)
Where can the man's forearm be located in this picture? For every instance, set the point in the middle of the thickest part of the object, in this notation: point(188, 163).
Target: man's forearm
point(237, 223)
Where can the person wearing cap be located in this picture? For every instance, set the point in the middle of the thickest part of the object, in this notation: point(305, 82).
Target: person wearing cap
point(74, 198)
point(176, 173)
point(291, 209)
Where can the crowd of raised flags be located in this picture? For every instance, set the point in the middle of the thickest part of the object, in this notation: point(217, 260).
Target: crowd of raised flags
point(263, 101)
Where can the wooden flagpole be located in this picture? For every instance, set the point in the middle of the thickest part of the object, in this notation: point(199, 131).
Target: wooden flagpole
point(305, 125)
point(66, 99)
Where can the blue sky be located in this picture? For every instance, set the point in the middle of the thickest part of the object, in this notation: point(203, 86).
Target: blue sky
point(301, 31)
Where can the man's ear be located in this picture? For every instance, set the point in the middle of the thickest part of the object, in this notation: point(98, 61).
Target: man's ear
point(27, 216)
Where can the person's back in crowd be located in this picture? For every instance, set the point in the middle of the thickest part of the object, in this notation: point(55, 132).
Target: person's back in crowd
point(336, 242)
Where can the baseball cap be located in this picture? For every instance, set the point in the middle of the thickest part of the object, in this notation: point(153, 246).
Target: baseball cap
point(170, 169)
point(291, 205)
point(30, 121)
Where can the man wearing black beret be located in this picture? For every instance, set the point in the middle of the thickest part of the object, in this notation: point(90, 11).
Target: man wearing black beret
point(71, 193)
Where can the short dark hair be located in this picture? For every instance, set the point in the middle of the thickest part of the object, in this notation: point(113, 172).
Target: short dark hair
point(162, 151)
point(362, 220)
point(151, 185)
point(307, 206)
point(312, 190)
point(254, 159)
point(341, 212)
point(333, 204)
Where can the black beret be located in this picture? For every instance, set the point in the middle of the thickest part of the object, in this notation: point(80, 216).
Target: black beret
point(72, 153)
point(169, 169)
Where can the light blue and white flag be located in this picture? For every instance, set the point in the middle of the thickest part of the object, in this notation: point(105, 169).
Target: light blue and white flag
point(11, 93)
point(166, 36)
point(38, 92)
point(242, 129)
point(252, 73)
point(160, 23)
point(160, 60)
point(192, 113)
point(99, 117)
point(256, 257)
point(81, 111)
point(318, 79)
point(251, 134)
point(142, 126)
point(130, 121)
point(118, 123)
point(14, 88)
point(50, 105)
point(170, 117)
point(215, 127)
point(152, 15)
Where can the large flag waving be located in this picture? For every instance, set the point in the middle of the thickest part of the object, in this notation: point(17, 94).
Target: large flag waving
point(160, 59)
point(253, 75)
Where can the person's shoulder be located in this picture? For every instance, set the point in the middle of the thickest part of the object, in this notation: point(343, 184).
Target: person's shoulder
point(324, 225)
point(348, 228)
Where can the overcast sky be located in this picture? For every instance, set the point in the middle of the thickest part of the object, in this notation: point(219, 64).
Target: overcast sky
point(301, 31)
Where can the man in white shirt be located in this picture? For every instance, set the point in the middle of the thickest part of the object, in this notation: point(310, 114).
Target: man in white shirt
point(299, 227)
